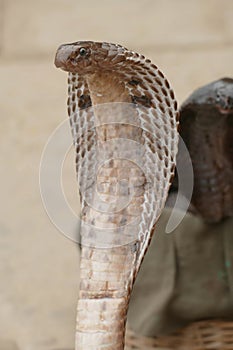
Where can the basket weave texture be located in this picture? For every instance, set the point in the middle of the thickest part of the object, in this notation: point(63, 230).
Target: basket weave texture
point(204, 335)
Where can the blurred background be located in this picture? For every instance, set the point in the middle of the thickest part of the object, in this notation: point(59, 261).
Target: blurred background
point(191, 41)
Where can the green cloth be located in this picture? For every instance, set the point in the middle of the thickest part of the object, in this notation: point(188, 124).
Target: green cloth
point(186, 276)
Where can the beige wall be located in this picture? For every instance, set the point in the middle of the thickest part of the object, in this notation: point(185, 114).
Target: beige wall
point(192, 41)
point(189, 39)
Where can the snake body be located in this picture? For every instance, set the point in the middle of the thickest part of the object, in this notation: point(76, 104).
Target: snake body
point(124, 118)
point(206, 126)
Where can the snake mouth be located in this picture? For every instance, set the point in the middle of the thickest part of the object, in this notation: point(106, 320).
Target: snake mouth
point(225, 110)
point(62, 55)
point(226, 107)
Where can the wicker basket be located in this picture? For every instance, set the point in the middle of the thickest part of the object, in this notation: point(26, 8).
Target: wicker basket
point(204, 335)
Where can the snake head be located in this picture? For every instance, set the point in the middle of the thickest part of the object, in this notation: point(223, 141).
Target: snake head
point(87, 57)
point(210, 102)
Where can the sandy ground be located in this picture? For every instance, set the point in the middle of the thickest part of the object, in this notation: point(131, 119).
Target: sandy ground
point(191, 41)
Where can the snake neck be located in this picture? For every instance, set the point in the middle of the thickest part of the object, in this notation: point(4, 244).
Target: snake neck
point(112, 185)
point(106, 87)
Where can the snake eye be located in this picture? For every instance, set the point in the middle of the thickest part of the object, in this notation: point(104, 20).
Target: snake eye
point(82, 52)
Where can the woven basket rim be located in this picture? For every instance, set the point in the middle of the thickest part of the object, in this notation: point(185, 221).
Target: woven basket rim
point(200, 335)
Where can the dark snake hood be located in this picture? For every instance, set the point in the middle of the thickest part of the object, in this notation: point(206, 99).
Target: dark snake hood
point(206, 126)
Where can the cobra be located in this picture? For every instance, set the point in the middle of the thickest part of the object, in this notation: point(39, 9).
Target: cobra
point(123, 116)
point(206, 127)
